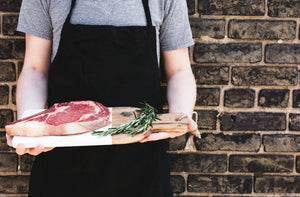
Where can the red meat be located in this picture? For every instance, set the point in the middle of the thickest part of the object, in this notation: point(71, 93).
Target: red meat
point(62, 119)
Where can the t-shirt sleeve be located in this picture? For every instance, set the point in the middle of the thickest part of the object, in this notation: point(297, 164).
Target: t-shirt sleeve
point(34, 19)
point(175, 31)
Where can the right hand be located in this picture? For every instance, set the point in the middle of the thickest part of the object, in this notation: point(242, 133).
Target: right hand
point(21, 150)
point(164, 135)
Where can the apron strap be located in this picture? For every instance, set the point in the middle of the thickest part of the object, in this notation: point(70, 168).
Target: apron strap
point(69, 15)
point(147, 12)
point(145, 5)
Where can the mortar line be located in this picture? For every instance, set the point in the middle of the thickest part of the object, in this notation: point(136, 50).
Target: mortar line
point(266, 8)
point(196, 8)
point(256, 98)
point(287, 174)
point(226, 27)
point(294, 165)
point(231, 152)
point(297, 30)
point(244, 17)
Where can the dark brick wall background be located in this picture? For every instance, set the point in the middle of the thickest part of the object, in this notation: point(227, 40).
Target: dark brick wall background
point(245, 60)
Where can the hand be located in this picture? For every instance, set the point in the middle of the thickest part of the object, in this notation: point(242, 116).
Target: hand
point(164, 135)
point(21, 150)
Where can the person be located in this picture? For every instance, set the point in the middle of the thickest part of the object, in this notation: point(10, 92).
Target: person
point(109, 52)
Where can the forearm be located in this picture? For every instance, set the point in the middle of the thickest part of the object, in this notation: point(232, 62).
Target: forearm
point(181, 92)
point(31, 90)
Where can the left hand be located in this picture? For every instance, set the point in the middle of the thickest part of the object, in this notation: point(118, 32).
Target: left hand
point(21, 150)
point(164, 135)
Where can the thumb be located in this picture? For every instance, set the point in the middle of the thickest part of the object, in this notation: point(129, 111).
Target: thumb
point(9, 139)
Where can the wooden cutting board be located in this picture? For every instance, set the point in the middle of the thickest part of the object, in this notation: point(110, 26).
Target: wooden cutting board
point(170, 122)
point(173, 123)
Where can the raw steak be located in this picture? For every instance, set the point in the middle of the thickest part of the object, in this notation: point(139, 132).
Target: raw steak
point(62, 119)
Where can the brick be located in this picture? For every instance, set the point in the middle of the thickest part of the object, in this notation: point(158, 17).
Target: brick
point(295, 195)
point(8, 162)
point(281, 143)
point(7, 71)
point(253, 121)
point(228, 53)
point(207, 120)
point(261, 163)
point(236, 142)
point(282, 53)
point(19, 67)
point(239, 98)
point(6, 116)
point(10, 22)
point(296, 98)
point(12, 48)
point(211, 75)
point(273, 98)
point(163, 90)
point(214, 28)
point(298, 164)
point(284, 8)
point(14, 89)
point(288, 196)
point(191, 6)
point(4, 95)
point(276, 184)
point(14, 184)
point(264, 75)
point(10, 5)
point(196, 162)
point(3, 142)
point(208, 96)
point(262, 29)
point(26, 162)
point(178, 143)
point(177, 184)
point(225, 184)
point(294, 122)
point(238, 7)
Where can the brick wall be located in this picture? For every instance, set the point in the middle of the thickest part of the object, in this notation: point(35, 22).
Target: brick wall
point(14, 170)
point(245, 61)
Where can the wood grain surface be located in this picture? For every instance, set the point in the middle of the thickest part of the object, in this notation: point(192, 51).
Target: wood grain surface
point(169, 122)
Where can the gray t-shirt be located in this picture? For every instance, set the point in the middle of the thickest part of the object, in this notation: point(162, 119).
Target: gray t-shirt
point(45, 18)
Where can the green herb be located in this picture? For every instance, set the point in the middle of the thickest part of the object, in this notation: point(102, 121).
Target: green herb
point(142, 121)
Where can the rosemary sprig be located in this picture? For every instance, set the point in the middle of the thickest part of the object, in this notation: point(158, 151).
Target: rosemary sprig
point(142, 121)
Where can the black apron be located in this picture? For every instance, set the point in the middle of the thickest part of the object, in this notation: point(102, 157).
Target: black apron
point(116, 66)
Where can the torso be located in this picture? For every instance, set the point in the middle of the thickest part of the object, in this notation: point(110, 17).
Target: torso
point(92, 12)
point(116, 66)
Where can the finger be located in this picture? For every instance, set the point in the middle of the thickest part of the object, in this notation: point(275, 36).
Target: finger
point(37, 150)
point(9, 140)
point(192, 126)
point(21, 150)
point(46, 149)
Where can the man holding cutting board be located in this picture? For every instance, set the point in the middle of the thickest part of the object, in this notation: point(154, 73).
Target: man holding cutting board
point(106, 51)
